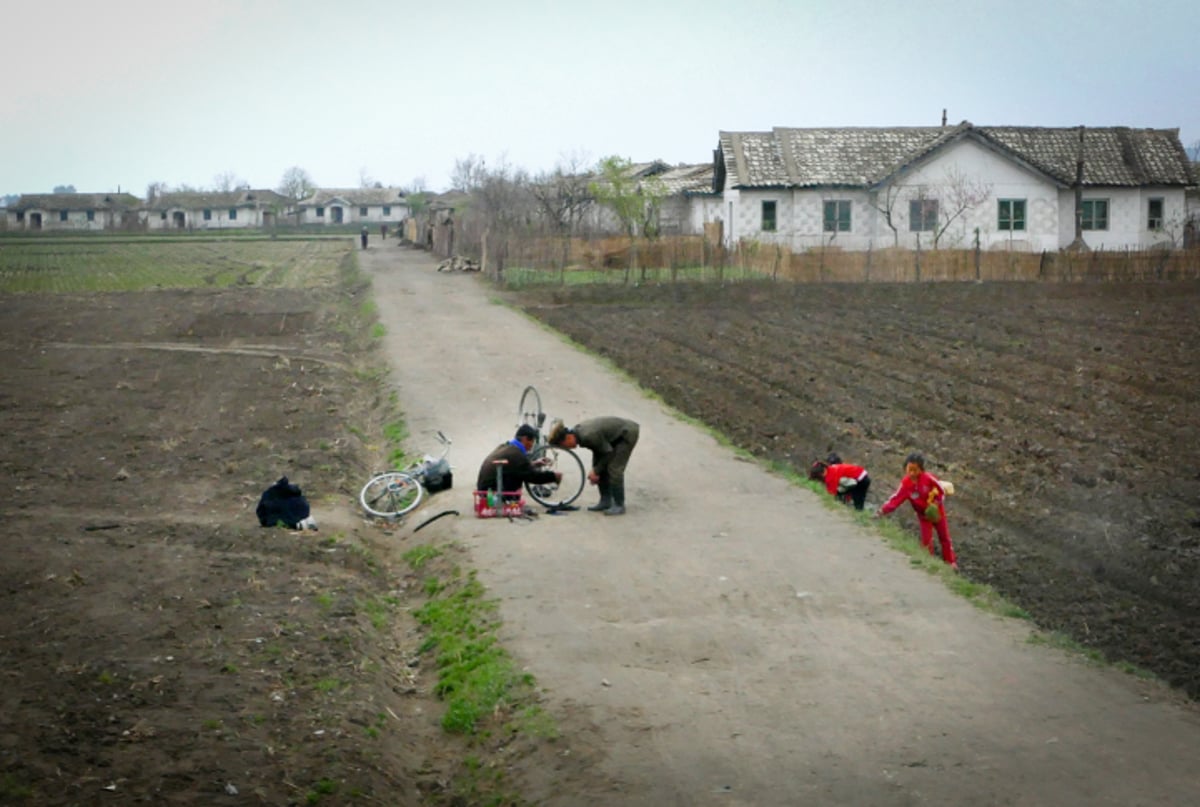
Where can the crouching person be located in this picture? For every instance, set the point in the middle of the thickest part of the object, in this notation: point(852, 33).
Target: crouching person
point(518, 470)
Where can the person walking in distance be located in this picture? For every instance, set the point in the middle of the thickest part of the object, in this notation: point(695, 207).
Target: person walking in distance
point(363, 237)
point(925, 493)
point(611, 440)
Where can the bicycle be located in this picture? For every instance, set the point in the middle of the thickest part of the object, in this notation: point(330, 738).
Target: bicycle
point(554, 495)
point(391, 494)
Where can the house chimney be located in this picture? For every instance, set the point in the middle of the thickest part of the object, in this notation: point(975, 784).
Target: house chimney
point(943, 118)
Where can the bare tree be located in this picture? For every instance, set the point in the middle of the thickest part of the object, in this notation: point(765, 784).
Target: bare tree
point(296, 184)
point(468, 173)
point(228, 181)
point(891, 195)
point(961, 194)
point(418, 185)
point(562, 195)
point(154, 189)
point(562, 198)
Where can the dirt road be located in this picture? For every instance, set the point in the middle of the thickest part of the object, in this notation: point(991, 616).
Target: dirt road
point(731, 641)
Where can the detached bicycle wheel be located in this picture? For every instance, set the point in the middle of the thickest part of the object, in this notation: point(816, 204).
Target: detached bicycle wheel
point(529, 412)
point(564, 460)
point(391, 495)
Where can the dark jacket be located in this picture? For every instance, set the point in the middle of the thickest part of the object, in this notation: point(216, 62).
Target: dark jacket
point(603, 435)
point(517, 472)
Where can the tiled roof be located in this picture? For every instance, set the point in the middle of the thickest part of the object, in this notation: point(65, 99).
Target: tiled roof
point(679, 179)
point(199, 200)
point(355, 196)
point(76, 201)
point(1115, 155)
point(862, 157)
point(689, 179)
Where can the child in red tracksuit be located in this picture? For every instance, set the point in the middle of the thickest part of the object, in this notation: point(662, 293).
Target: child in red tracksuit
point(845, 482)
point(923, 491)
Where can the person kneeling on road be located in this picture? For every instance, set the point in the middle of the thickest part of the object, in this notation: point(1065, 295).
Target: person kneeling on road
point(513, 457)
point(611, 441)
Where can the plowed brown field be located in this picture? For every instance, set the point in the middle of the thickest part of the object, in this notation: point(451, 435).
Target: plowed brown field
point(1067, 416)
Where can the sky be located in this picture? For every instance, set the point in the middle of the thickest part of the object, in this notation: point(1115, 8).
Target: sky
point(116, 96)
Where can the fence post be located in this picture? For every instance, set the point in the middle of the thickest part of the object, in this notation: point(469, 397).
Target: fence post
point(978, 278)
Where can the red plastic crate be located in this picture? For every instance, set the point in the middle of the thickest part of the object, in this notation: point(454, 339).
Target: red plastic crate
point(511, 503)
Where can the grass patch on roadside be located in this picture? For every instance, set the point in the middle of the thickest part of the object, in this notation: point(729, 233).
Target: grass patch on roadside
point(518, 278)
point(477, 679)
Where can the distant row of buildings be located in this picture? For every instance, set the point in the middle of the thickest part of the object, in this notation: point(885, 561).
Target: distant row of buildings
point(218, 210)
point(998, 187)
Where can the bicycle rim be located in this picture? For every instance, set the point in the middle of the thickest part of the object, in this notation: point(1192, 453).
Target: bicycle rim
point(529, 412)
point(391, 495)
point(562, 493)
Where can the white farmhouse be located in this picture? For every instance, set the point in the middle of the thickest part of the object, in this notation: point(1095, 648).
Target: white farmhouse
point(73, 211)
point(365, 206)
point(1023, 188)
point(215, 210)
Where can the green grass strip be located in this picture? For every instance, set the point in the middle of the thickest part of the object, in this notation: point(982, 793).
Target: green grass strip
point(476, 676)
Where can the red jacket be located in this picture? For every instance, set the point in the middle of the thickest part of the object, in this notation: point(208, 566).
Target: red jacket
point(834, 473)
point(926, 490)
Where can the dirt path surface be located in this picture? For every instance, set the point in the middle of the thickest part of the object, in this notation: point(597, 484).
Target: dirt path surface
point(731, 640)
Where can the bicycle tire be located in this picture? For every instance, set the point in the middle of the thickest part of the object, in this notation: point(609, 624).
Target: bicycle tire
point(391, 494)
point(529, 411)
point(558, 494)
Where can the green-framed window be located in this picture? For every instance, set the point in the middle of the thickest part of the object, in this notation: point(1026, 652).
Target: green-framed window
point(768, 217)
point(1010, 214)
point(1154, 214)
point(1095, 214)
point(922, 215)
point(837, 216)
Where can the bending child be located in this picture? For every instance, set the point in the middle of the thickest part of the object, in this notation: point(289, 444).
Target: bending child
point(924, 492)
point(847, 483)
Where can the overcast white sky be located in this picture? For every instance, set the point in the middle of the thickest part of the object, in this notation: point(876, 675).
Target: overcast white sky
point(121, 94)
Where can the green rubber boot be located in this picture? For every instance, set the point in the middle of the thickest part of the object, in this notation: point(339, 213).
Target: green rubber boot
point(605, 499)
point(618, 497)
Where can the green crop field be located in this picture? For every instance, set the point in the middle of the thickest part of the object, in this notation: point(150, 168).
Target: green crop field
point(78, 265)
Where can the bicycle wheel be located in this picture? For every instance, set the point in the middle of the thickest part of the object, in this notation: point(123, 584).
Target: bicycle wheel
point(391, 495)
point(530, 410)
point(566, 461)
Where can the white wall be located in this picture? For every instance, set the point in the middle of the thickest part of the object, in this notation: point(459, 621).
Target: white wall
point(351, 214)
point(1049, 209)
point(800, 213)
point(1128, 218)
point(194, 219)
point(703, 210)
point(76, 220)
